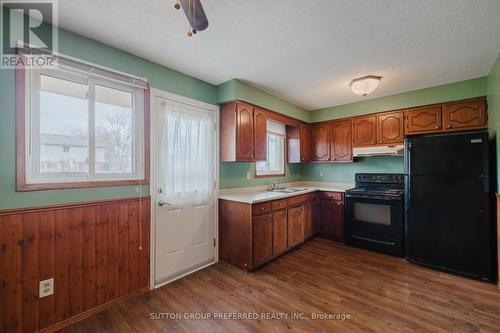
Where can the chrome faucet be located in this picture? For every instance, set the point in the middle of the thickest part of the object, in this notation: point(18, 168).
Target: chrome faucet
point(274, 186)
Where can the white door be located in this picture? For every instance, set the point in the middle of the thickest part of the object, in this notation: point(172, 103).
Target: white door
point(185, 147)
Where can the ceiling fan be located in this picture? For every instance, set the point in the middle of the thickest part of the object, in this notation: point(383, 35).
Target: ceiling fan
point(195, 14)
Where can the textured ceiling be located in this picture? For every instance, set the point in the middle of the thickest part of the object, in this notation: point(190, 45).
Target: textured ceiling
point(304, 51)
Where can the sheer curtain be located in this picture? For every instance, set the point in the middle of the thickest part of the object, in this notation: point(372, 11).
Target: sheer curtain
point(185, 142)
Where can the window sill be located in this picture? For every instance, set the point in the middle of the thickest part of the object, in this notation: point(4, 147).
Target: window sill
point(21, 187)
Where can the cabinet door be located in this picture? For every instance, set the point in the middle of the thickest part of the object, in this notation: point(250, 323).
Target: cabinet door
point(320, 142)
point(364, 131)
point(262, 239)
point(315, 215)
point(305, 142)
point(280, 232)
point(424, 120)
point(390, 128)
point(308, 220)
point(244, 132)
point(342, 140)
point(295, 226)
point(465, 115)
point(260, 135)
point(332, 218)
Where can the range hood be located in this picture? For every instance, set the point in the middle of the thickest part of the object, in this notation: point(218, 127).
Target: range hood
point(397, 150)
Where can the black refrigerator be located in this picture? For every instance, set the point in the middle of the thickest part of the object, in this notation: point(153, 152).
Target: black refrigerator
point(447, 204)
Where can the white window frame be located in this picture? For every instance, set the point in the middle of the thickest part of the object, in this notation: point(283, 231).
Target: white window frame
point(32, 130)
point(267, 172)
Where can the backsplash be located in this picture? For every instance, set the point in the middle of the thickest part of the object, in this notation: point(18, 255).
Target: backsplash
point(234, 174)
point(344, 172)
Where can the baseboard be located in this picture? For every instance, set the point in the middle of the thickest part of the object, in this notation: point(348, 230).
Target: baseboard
point(84, 315)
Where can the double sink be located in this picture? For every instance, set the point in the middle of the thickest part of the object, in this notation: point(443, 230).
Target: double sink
point(287, 190)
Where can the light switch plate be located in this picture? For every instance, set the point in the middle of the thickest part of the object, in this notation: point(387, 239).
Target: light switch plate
point(321, 173)
point(46, 288)
point(249, 175)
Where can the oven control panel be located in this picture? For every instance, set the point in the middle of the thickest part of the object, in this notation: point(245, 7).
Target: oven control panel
point(383, 178)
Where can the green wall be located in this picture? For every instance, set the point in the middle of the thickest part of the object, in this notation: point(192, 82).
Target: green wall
point(344, 172)
point(89, 50)
point(236, 89)
point(233, 175)
point(494, 108)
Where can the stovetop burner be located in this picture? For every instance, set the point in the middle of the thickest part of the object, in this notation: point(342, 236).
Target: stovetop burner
point(376, 184)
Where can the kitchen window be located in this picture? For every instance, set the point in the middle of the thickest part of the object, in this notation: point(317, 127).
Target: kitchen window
point(275, 163)
point(83, 127)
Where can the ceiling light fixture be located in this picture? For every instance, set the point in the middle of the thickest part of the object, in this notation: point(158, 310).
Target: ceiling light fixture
point(365, 85)
point(195, 14)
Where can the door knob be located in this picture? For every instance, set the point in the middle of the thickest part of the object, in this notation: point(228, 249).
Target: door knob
point(162, 203)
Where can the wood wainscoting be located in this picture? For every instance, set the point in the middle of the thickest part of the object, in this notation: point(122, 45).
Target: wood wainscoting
point(97, 253)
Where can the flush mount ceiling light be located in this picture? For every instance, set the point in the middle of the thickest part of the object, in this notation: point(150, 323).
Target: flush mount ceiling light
point(195, 14)
point(365, 85)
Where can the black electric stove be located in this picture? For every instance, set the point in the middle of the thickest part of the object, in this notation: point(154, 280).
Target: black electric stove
point(374, 213)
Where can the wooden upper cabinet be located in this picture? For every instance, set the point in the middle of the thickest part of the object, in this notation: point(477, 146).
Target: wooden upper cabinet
point(320, 142)
point(341, 140)
point(424, 120)
point(364, 131)
point(295, 226)
point(390, 128)
point(305, 142)
point(262, 234)
point(465, 115)
point(299, 143)
point(260, 135)
point(244, 132)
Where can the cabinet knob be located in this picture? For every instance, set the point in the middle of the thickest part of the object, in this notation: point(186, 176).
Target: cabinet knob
point(262, 208)
point(449, 126)
point(380, 141)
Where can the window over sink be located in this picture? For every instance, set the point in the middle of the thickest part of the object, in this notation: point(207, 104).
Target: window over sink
point(275, 163)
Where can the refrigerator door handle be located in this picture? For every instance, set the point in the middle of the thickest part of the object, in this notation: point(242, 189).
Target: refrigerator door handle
point(409, 174)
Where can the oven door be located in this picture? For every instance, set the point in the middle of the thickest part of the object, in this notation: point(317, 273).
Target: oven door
point(375, 223)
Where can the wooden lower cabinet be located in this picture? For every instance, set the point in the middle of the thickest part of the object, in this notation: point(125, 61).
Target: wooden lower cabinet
point(251, 235)
point(280, 232)
point(332, 216)
point(308, 220)
point(262, 233)
point(295, 226)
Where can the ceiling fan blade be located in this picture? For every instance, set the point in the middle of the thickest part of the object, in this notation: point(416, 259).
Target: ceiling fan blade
point(196, 16)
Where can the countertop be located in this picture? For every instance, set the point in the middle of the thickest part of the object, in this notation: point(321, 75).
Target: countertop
point(258, 194)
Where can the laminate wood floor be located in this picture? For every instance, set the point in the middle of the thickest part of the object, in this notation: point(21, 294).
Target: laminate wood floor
point(373, 292)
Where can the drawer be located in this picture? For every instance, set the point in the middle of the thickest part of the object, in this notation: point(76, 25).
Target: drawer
point(278, 204)
point(298, 199)
point(261, 208)
point(338, 196)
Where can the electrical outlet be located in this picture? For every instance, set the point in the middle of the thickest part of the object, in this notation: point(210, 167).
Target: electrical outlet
point(46, 288)
point(321, 172)
point(249, 175)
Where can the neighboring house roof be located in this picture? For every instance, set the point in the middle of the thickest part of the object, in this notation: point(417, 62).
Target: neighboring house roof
point(61, 140)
